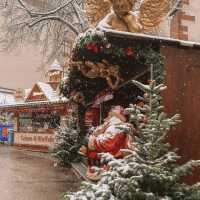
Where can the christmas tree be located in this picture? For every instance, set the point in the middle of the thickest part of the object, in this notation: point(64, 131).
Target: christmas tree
point(150, 171)
point(67, 143)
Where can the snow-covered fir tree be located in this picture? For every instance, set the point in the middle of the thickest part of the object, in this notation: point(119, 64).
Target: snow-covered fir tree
point(67, 143)
point(150, 171)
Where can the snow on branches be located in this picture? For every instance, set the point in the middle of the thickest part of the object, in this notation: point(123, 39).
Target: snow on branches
point(150, 171)
point(53, 24)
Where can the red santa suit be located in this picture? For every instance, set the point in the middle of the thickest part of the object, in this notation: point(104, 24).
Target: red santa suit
point(108, 138)
point(111, 141)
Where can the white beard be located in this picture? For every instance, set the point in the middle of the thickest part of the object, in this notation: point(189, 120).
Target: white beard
point(112, 129)
point(114, 120)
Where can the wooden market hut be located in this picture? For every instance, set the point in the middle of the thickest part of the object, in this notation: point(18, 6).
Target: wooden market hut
point(182, 77)
point(38, 112)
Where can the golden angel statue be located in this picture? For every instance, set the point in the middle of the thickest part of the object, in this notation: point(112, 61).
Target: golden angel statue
point(119, 15)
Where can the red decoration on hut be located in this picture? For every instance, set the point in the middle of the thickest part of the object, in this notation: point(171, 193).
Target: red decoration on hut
point(129, 51)
point(93, 47)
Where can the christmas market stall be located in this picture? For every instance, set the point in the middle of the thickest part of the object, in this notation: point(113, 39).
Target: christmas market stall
point(101, 71)
point(117, 77)
point(38, 112)
point(35, 123)
point(104, 62)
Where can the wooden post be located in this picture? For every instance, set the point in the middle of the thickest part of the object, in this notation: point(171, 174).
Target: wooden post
point(81, 120)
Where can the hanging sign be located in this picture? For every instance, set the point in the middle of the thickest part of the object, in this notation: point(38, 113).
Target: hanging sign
point(34, 139)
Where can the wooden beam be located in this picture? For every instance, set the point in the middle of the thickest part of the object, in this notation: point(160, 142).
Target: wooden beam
point(133, 78)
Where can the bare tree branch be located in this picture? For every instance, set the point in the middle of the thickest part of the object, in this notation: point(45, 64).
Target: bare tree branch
point(53, 24)
point(44, 13)
point(55, 18)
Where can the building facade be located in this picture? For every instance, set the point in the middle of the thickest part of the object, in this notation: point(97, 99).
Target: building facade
point(186, 22)
point(183, 23)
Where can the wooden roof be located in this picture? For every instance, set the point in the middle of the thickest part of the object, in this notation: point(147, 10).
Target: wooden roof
point(7, 90)
point(42, 92)
point(35, 106)
point(149, 38)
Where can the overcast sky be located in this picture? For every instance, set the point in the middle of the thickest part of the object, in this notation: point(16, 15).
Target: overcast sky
point(19, 70)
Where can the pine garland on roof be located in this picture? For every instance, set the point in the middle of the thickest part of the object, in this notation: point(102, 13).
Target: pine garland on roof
point(95, 46)
point(131, 57)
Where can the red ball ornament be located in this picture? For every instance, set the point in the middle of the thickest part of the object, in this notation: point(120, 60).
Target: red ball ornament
point(95, 49)
point(92, 46)
point(129, 51)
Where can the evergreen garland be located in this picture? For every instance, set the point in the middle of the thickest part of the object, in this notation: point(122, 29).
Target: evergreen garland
point(88, 87)
point(94, 46)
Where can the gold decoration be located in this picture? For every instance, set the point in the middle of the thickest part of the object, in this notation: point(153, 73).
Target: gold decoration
point(100, 69)
point(121, 18)
point(152, 12)
point(96, 10)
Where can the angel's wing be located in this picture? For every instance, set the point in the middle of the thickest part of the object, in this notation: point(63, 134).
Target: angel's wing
point(96, 10)
point(153, 11)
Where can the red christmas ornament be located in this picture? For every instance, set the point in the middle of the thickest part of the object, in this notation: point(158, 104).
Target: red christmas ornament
point(92, 46)
point(95, 49)
point(129, 51)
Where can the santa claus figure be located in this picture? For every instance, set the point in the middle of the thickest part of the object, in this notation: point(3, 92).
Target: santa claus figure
point(108, 138)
